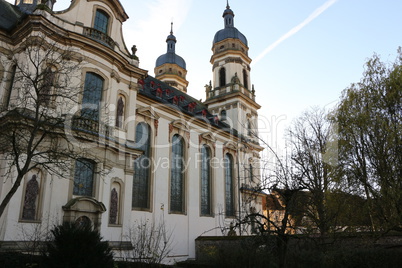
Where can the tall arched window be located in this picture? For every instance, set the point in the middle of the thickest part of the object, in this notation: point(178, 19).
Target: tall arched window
point(177, 175)
point(84, 177)
point(222, 77)
point(101, 22)
point(92, 96)
point(229, 186)
point(9, 86)
point(45, 93)
point(205, 180)
point(245, 79)
point(142, 168)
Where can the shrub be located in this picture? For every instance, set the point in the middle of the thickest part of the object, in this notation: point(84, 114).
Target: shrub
point(79, 247)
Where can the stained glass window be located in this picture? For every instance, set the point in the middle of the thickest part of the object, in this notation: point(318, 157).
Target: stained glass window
point(48, 81)
point(229, 187)
point(92, 96)
point(205, 181)
point(142, 167)
point(176, 175)
point(84, 177)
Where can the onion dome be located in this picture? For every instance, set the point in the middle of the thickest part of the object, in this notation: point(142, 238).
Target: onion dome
point(171, 56)
point(229, 31)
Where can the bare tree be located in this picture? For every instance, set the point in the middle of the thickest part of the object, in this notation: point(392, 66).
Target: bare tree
point(151, 241)
point(314, 162)
point(42, 85)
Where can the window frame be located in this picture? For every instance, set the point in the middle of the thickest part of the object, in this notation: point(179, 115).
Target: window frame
point(229, 177)
point(104, 13)
point(90, 99)
point(147, 153)
point(177, 176)
point(92, 166)
point(206, 181)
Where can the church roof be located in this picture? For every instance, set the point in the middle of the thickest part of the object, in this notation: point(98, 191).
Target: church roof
point(229, 31)
point(170, 57)
point(165, 94)
point(10, 15)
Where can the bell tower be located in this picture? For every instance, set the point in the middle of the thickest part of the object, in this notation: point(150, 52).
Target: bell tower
point(231, 95)
point(170, 67)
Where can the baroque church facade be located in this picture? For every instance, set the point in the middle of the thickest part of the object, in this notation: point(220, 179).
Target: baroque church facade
point(141, 149)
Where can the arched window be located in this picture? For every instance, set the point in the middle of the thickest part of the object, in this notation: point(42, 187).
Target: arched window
point(92, 96)
point(101, 22)
point(245, 79)
point(229, 186)
point(45, 93)
point(223, 115)
point(120, 112)
point(222, 77)
point(142, 167)
point(177, 175)
point(205, 180)
point(9, 86)
point(84, 177)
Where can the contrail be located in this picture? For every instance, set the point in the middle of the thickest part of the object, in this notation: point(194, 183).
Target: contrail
point(297, 28)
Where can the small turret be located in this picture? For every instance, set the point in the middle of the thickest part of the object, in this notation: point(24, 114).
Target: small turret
point(170, 67)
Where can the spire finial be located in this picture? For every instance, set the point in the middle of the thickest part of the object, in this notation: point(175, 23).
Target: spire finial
point(227, 4)
point(171, 27)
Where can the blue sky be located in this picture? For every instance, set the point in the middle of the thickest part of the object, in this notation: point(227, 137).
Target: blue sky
point(305, 52)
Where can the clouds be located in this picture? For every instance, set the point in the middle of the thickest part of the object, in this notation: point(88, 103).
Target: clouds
point(296, 29)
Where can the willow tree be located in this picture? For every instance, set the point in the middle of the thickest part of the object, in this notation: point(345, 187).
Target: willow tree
point(369, 117)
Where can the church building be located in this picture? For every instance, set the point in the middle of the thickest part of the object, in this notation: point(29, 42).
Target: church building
point(89, 137)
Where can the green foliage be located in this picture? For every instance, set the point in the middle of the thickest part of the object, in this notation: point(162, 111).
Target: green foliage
point(369, 117)
point(79, 247)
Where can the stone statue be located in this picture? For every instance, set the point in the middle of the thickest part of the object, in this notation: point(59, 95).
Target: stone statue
point(133, 51)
